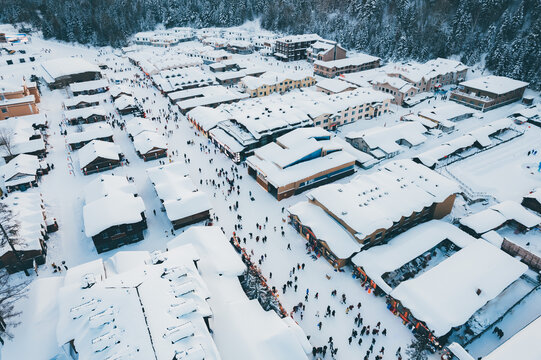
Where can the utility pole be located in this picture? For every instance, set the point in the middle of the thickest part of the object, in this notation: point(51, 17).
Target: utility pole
point(17, 255)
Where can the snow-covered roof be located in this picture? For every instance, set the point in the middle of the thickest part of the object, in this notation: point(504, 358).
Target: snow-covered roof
point(179, 195)
point(57, 68)
point(205, 96)
point(446, 112)
point(448, 294)
point(84, 99)
point(357, 60)
point(379, 199)
point(116, 207)
point(148, 311)
point(495, 84)
point(22, 164)
point(459, 352)
point(125, 102)
point(300, 38)
point(177, 79)
point(405, 247)
point(334, 85)
point(137, 125)
point(524, 345)
point(105, 185)
point(15, 101)
point(91, 132)
point(535, 194)
point(498, 214)
point(85, 112)
point(272, 78)
point(387, 138)
point(212, 243)
point(416, 72)
point(206, 117)
point(147, 141)
point(27, 211)
point(98, 149)
point(116, 90)
point(89, 85)
point(326, 229)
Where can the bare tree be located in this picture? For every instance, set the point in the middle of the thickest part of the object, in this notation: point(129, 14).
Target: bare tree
point(11, 288)
point(6, 140)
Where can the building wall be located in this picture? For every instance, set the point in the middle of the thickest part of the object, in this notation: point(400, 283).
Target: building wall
point(493, 101)
point(444, 208)
point(398, 95)
point(283, 86)
point(8, 111)
point(330, 72)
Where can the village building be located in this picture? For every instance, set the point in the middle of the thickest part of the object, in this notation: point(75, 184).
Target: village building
point(18, 107)
point(489, 92)
point(152, 64)
point(300, 160)
point(384, 142)
point(182, 201)
point(97, 156)
point(432, 75)
point(446, 115)
point(25, 136)
point(16, 90)
point(138, 125)
point(89, 87)
point(59, 73)
point(97, 131)
point(460, 288)
point(150, 145)
point(505, 213)
point(22, 172)
point(233, 77)
point(28, 211)
point(113, 214)
point(205, 118)
point(400, 89)
point(157, 39)
point(334, 86)
point(181, 79)
point(240, 47)
point(85, 115)
point(375, 207)
point(272, 82)
point(117, 91)
point(83, 101)
point(211, 96)
point(474, 141)
point(183, 303)
point(332, 68)
point(382, 268)
point(126, 105)
point(294, 47)
point(325, 50)
point(532, 201)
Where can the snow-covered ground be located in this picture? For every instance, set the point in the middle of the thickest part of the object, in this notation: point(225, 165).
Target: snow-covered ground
point(501, 171)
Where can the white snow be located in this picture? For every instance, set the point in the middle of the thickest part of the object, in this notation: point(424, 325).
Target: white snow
point(451, 292)
point(98, 149)
point(495, 84)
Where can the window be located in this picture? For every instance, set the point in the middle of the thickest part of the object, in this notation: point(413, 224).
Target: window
point(4, 110)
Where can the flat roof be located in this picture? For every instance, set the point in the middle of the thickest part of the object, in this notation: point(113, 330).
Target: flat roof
point(495, 84)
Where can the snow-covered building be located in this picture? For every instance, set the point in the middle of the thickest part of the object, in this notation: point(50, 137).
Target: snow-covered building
point(337, 67)
point(294, 47)
point(125, 105)
point(22, 172)
point(18, 107)
point(385, 142)
point(138, 125)
point(325, 50)
point(272, 82)
point(28, 211)
point(385, 266)
point(150, 145)
point(479, 139)
point(83, 101)
point(89, 87)
point(113, 214)
point(446, 115)
point(334, 86)
point(183, 203)
point(446, 296)
point(119, 90)
point(181, 79)
point(98, 155)
point(431, 75)
point(400, 89)
point(378, 206)
point(212, 96)
point(299, 160)
point(85, 115)
point(97, 131)
point(505, 213)
point(152, 64)
point(59, 73)
point(532, 200)
point(24, 136)
point(489, 92)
